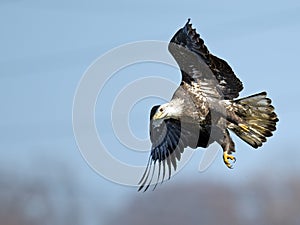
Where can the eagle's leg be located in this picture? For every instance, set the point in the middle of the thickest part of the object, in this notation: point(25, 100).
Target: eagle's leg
point(228, 147)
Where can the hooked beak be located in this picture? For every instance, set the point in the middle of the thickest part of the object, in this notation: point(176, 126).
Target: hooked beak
point(159, 115)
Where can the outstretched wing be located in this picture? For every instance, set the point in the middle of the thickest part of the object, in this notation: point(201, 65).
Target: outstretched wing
point(169, 138)
point(214, 76)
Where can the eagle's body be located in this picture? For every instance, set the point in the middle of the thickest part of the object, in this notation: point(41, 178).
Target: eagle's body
point(203, 108)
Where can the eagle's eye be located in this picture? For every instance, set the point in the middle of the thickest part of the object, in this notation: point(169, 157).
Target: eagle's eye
point(161, 110)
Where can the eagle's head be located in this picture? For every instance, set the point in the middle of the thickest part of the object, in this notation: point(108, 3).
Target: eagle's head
point(168, 110)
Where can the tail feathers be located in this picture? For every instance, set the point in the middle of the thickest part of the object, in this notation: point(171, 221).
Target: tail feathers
point(258, 119)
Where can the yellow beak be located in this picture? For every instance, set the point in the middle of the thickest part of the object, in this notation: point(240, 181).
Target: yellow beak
point(159, 115)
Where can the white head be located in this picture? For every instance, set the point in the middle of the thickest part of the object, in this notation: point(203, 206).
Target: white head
point(168, 110)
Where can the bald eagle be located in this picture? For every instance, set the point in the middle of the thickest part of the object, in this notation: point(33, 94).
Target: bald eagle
point(203, 108)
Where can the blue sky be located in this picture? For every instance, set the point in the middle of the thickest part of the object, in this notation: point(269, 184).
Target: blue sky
point(47, 46)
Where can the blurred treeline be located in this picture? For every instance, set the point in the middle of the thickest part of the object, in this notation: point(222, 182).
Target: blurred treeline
point(260, 200)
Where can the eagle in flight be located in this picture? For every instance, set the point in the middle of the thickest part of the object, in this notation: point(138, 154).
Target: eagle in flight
point(202, 110)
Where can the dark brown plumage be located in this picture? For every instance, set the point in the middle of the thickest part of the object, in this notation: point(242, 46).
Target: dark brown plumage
point(202, 109)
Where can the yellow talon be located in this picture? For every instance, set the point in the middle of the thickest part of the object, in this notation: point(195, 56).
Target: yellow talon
point(244, 127)
point(226, 158)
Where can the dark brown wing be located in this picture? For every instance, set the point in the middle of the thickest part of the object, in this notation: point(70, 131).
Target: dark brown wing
point(199, 65)
point(169, 138)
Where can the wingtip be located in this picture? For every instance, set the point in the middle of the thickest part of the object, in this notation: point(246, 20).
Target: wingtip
point(188, 25)
point(188, 21)
point(140, 188)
